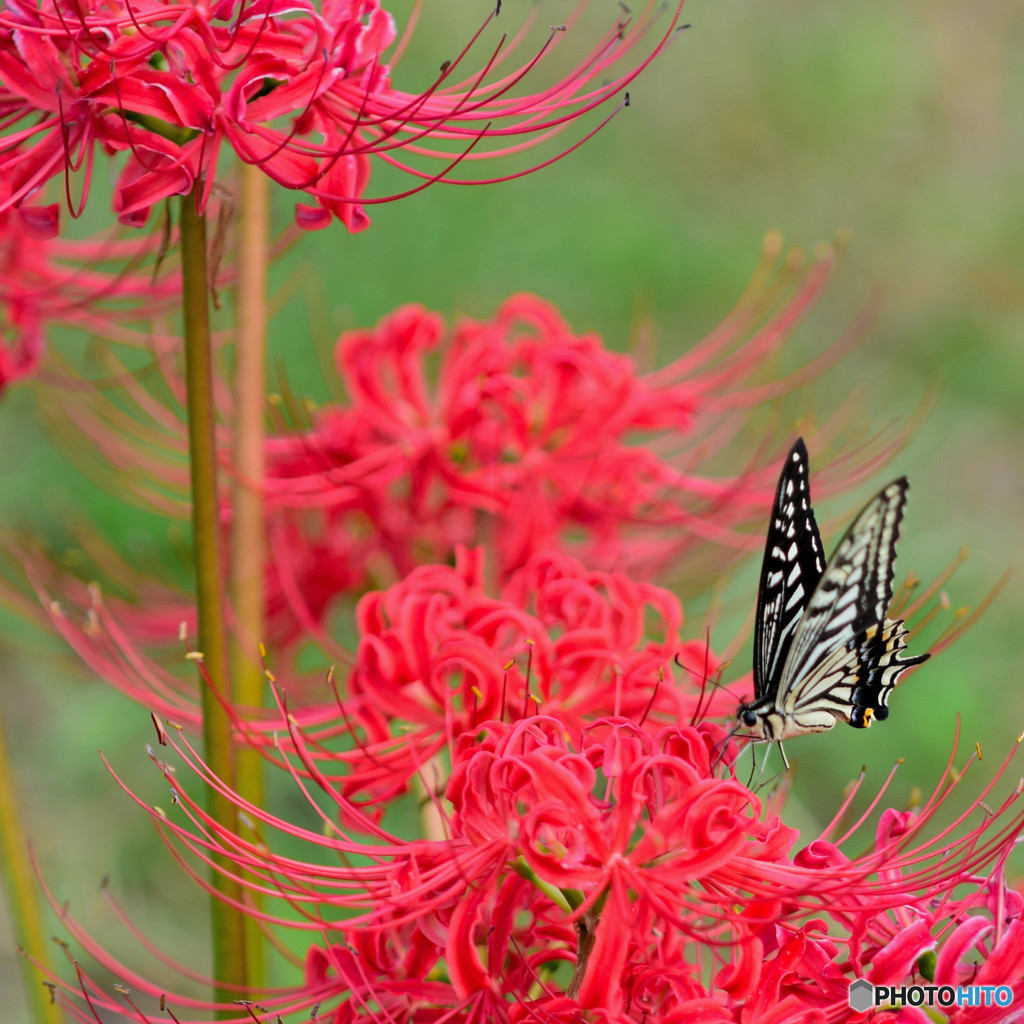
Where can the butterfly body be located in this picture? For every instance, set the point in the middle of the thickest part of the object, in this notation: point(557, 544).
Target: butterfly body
point(824, 649)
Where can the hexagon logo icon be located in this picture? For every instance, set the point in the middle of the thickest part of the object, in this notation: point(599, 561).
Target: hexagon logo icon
point(862, 995)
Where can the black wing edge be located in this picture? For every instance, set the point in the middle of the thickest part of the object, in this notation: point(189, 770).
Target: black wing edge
point(780, 603)
point(880, 666)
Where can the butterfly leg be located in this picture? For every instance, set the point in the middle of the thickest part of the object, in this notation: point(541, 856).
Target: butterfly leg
point(753, 765)
point(785, 760)
point(768, 782)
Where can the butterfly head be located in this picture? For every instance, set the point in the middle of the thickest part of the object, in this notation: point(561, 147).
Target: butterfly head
point(758, 720)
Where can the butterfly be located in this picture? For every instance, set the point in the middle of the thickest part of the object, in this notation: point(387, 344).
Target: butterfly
point(824, 649)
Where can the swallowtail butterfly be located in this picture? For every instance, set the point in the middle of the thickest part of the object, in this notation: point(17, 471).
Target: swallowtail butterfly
point(823, 647)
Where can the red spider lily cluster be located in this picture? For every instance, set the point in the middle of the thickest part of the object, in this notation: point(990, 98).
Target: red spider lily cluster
point(520, 431)
point(521, 427)
point(603, 861)
point(587, 848)
point(513, 430)
point(584, 846)
point(523, 797)
point(302, 90)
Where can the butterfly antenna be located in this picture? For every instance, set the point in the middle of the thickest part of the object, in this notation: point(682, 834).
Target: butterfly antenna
point(714, 681)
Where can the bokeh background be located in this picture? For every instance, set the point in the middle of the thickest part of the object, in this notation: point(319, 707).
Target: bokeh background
point(900, 124)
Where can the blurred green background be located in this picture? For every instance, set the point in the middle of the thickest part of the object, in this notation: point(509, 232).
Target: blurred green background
point(901, 123)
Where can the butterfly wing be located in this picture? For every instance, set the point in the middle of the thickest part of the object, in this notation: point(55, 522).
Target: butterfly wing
point(879, 667)
point(853, 682)
point(793, 565)
point(844, 653)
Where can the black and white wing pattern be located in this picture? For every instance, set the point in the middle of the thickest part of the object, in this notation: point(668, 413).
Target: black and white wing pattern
point(825, 651)
point(793, 564)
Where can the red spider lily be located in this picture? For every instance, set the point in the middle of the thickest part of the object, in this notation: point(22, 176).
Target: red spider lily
point(620, 878)
point(96, 285)
point(302, 90)
point(594, 857)
point(435, 649)
point(439, 648)
point(513, 431)
point(111, 286)
point(530, 433)
point(23, 325)
point(439, 654)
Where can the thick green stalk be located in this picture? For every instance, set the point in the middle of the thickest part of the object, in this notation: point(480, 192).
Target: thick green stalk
point(229, 963)
point(248, 534)
point(22, 895)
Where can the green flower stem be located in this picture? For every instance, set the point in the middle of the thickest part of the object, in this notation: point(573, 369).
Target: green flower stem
point(248, 532)
point(586, 924)
point(175, 133)
point(22, 895)
point(229, 961)
point(561, 898)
